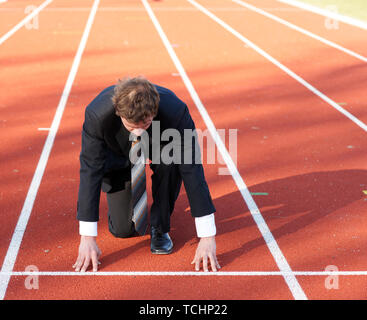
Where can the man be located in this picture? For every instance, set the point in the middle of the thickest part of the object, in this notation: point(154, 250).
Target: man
point(120, 112)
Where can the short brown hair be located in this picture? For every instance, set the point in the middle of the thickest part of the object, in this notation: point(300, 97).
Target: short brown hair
point(135, 99)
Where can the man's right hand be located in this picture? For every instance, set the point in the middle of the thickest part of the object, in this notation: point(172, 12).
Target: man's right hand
point(88, 251)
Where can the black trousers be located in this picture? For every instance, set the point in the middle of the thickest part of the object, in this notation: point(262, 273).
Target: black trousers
point(166, 185)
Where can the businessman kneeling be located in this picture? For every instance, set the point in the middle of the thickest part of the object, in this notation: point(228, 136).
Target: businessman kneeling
point(117, 139)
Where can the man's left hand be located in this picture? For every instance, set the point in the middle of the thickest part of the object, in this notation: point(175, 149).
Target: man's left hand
point(206, 249)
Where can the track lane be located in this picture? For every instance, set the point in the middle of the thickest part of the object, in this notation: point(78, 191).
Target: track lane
point(341, 33)
point(334, 73)
point(290, 25)
point(28, 103)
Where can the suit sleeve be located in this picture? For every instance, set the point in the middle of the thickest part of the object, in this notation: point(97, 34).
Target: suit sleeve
point(92, 160)
point(192, 171)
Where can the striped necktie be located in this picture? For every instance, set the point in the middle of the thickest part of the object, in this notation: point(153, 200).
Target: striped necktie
point(138, 187)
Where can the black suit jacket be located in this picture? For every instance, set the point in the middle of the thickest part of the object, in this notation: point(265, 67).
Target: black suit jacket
point(106, 145)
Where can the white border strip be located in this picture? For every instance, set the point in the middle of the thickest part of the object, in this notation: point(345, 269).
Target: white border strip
point(333, 15)
point(301, 30)
point(16, 240)
point(280, 66)
point(24, 21)
point(261, 224)
point(186, 273)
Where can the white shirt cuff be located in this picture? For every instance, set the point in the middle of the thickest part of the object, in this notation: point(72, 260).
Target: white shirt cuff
point(205, 226)
point(87, 228)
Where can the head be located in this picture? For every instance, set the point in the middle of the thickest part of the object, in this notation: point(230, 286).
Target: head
point(136, 102)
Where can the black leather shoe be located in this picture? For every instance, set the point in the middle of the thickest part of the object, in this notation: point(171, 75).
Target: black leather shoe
point(160, 243)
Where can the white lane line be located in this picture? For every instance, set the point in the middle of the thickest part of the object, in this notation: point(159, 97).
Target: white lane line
point(186, 273)
point(326, 13)
point(16, 240)
point(24, 21)
point(299, 29)
point(280, 65)
point(255, 212)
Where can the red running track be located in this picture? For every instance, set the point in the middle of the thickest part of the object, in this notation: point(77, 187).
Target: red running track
point(306, 155)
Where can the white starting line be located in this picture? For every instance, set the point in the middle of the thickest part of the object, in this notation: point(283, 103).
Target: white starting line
point(186, 273)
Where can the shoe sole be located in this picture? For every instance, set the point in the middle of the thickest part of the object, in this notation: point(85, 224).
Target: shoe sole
point(161, 252)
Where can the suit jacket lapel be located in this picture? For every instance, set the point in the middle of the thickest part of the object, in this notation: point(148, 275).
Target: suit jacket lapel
point(122, 137)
